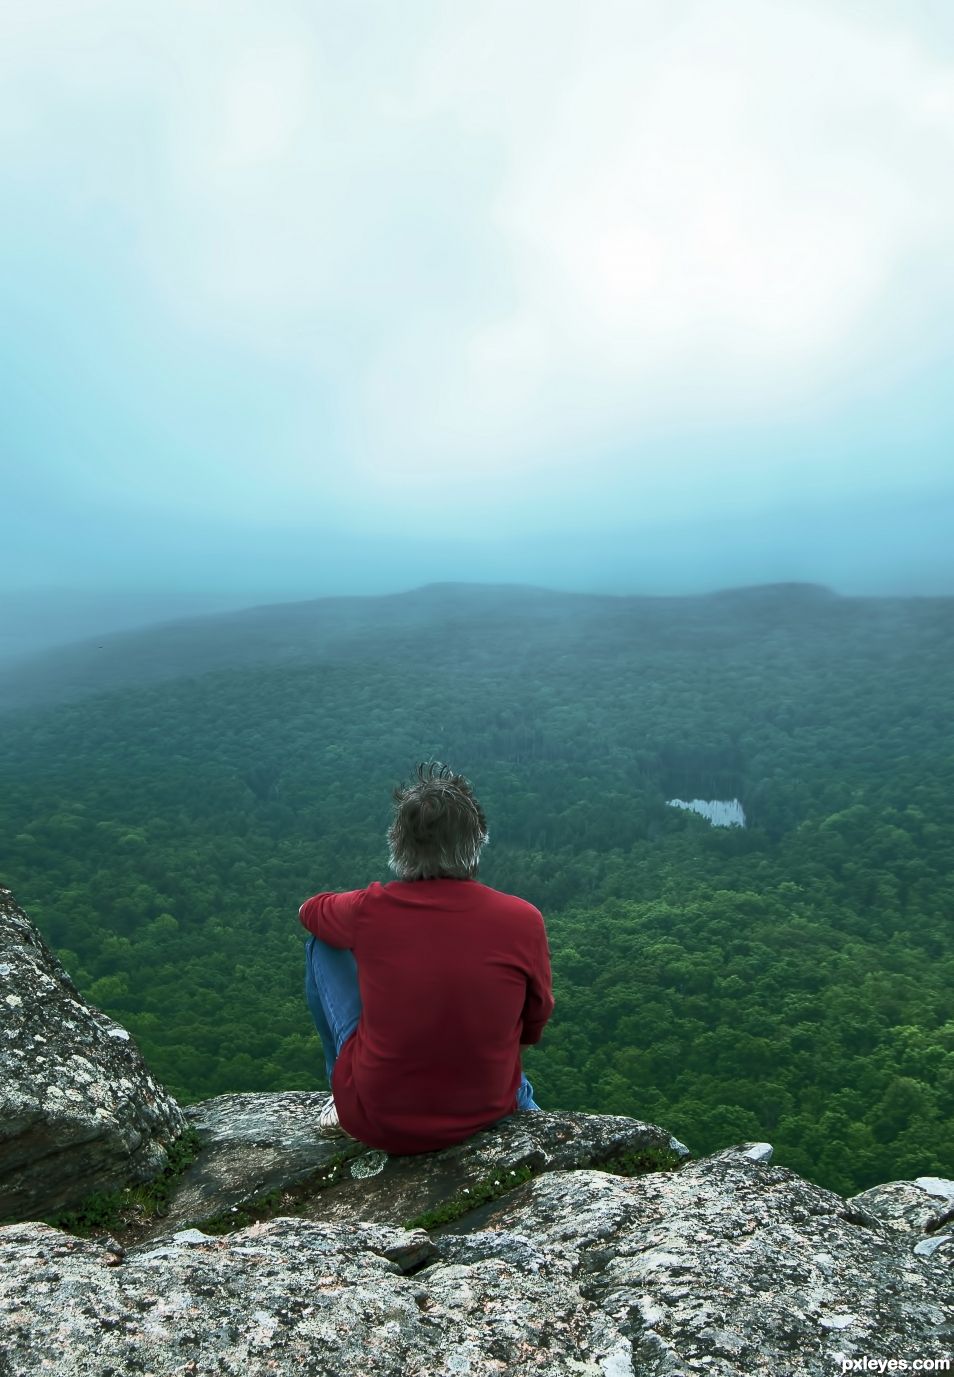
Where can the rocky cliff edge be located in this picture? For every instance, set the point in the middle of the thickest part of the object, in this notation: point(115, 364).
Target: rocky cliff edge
point(551, 1243)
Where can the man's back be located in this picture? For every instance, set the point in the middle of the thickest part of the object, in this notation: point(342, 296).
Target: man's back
point(454, 977)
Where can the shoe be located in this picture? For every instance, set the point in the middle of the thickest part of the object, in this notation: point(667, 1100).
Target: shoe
point(328, 1120)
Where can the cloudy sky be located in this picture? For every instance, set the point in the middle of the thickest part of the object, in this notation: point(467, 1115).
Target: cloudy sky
point(639, 295)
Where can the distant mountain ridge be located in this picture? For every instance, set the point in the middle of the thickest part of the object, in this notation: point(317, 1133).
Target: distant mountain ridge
point(345, 627)
point(760, 591)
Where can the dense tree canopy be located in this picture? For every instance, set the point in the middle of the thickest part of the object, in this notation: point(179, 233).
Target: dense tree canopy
point(791, 981)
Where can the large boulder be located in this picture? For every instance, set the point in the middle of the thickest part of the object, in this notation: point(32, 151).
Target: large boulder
point(923, 1209)
point(79, 1111)
point(293, 1297)
point(730, 1266)
point(726, 1266)
point(265, 1152)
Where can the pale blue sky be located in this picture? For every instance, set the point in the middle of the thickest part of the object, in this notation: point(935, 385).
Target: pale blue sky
point(303, 298)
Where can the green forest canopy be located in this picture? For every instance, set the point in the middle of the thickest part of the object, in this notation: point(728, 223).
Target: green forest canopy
point(173, 797)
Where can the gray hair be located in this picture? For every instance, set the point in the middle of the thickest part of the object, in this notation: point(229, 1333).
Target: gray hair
point(439, 827)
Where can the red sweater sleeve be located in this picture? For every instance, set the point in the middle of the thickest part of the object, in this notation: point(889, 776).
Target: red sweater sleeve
point(330, 917)
point(538, 1005)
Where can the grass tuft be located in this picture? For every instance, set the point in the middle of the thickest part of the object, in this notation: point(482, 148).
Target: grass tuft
point(108, 1211)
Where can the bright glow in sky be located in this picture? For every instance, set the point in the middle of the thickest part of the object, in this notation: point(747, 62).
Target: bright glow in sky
point(291, 291)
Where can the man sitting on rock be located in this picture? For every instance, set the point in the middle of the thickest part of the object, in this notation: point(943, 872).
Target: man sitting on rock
point(425, 990)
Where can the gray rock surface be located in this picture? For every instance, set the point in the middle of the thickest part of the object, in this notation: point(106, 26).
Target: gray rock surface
point(260, 1143)
point(730, 1266)
point(919, 1206)
point(290, 1297)
point(923, 1209)
point(726, 1266)
point(252, 1145)
point(79, 1111)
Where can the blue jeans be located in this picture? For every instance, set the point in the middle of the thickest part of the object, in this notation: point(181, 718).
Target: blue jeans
point(331, 989)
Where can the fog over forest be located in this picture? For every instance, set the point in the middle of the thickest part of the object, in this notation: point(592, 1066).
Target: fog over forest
point(300, 302)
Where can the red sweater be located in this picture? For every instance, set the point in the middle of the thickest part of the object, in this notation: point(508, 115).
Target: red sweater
point(453, 977)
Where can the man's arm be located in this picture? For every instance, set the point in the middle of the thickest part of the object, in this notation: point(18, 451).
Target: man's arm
point(538, 1005)
point(331, 917)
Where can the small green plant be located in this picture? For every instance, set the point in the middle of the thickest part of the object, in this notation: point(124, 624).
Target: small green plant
point(251, 1211)
point(98, 1214)
point(107, 1211)
point(499, 1183)
point(640, 1162)
point(492, 1187)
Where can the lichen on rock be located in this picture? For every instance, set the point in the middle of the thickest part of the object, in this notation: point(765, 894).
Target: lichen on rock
point(79, 1110)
